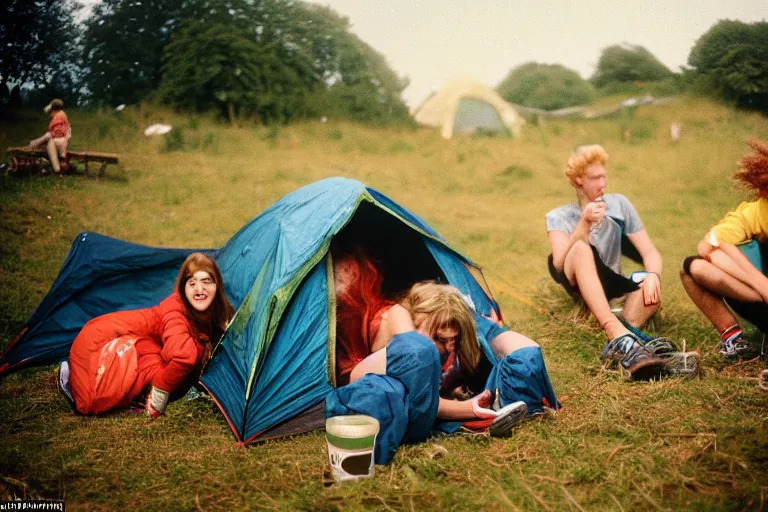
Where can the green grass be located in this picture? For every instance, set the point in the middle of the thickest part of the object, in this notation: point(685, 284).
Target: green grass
point(697, 445)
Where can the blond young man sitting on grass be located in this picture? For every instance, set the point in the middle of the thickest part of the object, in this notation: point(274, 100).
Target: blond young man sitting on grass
point(586, 241)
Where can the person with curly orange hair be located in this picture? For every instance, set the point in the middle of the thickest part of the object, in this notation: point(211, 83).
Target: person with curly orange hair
point(721, 275)
point(586, 238)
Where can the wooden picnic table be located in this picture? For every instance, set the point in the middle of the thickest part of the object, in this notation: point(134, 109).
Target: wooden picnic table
point(83, 156)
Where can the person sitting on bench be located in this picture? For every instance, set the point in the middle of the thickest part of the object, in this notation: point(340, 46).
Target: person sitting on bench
point(56, 139)
point(721, 275)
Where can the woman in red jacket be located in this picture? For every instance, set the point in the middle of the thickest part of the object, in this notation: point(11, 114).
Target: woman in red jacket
point(118, 357)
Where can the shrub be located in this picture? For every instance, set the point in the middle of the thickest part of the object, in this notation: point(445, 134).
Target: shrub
point(545, 86)
point(628, 64)
point(174, 140)
point(731, 61)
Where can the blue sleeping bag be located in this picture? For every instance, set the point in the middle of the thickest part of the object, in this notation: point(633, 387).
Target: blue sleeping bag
point(405, 400)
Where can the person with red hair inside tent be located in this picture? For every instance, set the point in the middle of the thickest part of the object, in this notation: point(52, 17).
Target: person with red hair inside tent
point(119, 357)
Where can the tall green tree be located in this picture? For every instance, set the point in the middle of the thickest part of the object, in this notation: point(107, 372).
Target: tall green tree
point(218, 66)
point(733, 57)
point(39, 42)
point(545, 86)
point(126, 42)
point(628, 64)
point(125, 39)
point(358, 81)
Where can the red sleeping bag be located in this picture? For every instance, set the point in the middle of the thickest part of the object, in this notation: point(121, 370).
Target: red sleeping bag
point(119, 355)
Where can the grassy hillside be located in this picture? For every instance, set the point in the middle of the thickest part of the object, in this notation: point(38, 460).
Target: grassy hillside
point(699, 445)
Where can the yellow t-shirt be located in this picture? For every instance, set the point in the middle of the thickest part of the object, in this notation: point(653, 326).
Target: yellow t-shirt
point(747, 222)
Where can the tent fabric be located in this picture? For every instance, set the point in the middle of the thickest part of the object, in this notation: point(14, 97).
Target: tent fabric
point(404, 401)
point(473, 115)
point(276, 359)
point(99, 275)
point(466, 105)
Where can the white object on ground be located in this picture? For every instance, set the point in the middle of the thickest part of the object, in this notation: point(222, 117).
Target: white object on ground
point(351, 441)
point(120, 107)
point(675, 130)
point(157, 129)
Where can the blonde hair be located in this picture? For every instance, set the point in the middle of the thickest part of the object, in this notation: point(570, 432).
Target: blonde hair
point(444, 307)
point(582, 158)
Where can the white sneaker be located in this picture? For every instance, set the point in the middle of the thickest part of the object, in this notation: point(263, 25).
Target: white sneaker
point(508, 417)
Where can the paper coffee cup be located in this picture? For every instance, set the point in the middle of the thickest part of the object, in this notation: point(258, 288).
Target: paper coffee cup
point(351, 441)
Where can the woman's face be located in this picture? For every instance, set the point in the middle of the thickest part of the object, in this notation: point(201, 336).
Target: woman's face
point(445, 337)
point(200, 290)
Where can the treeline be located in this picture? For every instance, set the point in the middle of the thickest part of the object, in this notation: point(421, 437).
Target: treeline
point(730, 62)
point(273, 60)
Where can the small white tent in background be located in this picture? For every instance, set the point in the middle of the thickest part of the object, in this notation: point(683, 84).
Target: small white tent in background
point(465, 105)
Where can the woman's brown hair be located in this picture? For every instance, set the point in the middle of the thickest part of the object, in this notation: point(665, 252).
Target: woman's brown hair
point(753, 169)
point(445, 307)
point(221, 309)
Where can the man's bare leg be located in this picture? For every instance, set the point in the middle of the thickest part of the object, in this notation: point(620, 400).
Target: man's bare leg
point(509, 341)
point(581, 271)
point(635, 311)
point(711, 305)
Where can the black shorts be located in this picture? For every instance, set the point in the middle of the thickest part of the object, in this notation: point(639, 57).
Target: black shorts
point(755, 313)
point(614, 285)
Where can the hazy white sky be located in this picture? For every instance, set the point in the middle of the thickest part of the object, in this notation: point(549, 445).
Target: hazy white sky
point(431, 40)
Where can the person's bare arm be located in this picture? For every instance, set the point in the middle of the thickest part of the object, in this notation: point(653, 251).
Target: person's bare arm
point(396, 320)
point(652, 263)
point(561, 242)
point(741, 268)
point(476, 408)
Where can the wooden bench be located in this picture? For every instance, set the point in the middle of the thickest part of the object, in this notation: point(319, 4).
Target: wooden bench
point(22, 155)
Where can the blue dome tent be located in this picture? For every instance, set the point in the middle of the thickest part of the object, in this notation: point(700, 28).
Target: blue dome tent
point(275, 364)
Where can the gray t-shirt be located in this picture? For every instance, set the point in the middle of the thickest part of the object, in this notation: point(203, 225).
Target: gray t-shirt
point(620, 216)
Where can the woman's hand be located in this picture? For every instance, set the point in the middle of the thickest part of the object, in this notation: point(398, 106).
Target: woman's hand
point(651, 286)
point(481, 404)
